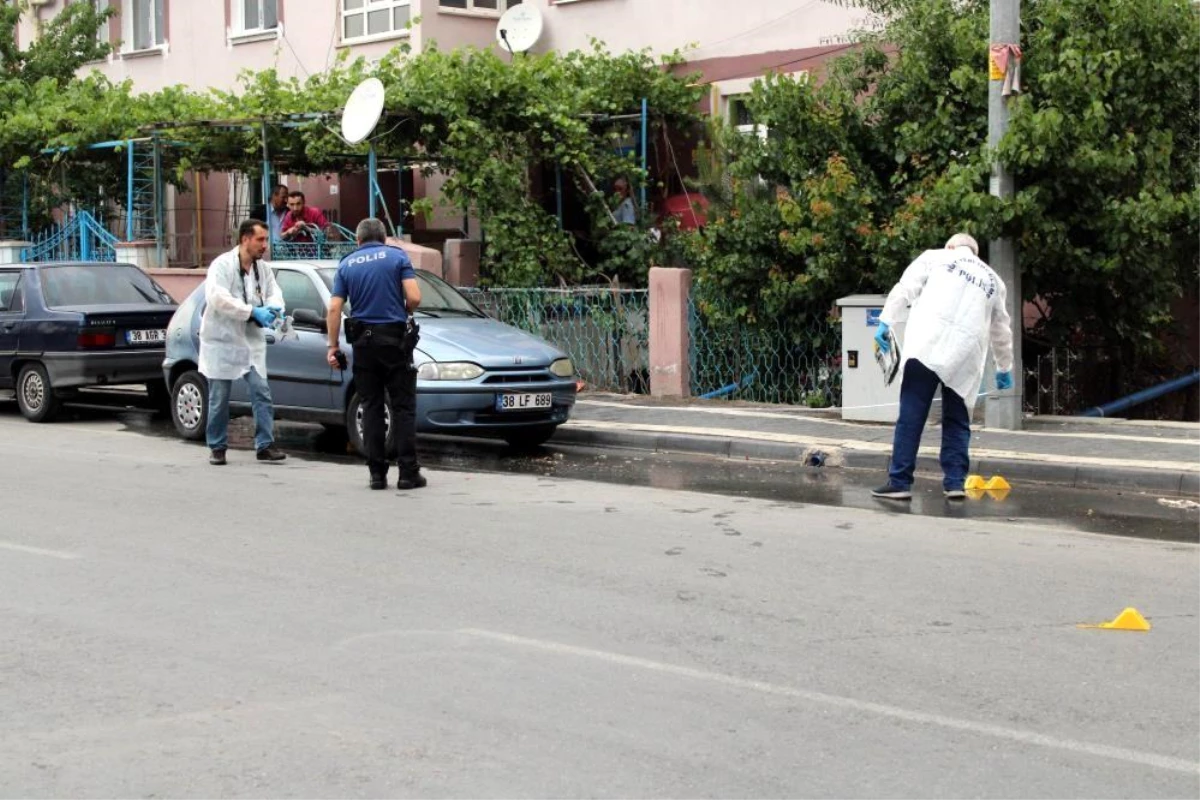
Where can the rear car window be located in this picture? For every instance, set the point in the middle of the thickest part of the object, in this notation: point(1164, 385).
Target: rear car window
point(99, 284)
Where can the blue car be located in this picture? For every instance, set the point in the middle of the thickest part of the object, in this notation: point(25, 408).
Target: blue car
point(67, 326)
point(475, 376)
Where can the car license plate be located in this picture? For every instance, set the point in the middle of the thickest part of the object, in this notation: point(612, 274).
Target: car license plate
point(152, 336)
point(531, 401)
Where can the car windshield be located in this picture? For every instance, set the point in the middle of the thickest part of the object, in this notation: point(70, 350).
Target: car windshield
point(99, 285)
point(438, 298)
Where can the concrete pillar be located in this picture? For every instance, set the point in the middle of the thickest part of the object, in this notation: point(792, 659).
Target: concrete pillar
point(143, 254)
point(422, 257)
point(462, 262)
point(179, 283)
point(670, 336)
point(11, 250)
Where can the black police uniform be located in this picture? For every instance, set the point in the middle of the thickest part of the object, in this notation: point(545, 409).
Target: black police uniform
point(383, 336)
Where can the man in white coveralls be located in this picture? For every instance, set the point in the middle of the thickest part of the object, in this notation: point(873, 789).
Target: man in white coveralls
point(955, 305)
point(242, 302)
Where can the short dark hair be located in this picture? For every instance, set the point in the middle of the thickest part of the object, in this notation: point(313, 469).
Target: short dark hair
point(250, 227)
point(279, 186)
point(297, 194)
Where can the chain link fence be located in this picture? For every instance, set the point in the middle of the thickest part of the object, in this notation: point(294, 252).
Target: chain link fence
point(605, 331)
point(770, 361)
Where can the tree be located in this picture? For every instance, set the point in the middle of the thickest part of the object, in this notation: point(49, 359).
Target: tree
point(887, 156)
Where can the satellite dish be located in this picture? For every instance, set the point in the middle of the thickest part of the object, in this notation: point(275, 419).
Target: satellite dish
point(519, 28)
point(362, 110)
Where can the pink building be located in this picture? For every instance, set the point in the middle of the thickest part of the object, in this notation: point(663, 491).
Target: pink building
point(207, 43)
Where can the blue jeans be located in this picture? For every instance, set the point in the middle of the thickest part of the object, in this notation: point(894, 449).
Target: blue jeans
point(217, 432)
point(916, 396)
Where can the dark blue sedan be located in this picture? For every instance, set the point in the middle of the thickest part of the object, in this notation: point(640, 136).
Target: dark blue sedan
point(71, 325)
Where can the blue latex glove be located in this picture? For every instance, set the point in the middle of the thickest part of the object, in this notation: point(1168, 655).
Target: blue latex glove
point(262, 316)
point(1003, 380)
point(881, 339)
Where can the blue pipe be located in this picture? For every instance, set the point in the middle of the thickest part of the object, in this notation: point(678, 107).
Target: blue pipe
point(1144, 396)
point(730, 388)
point(129, 211)
point(372, 182)
point(645, 115)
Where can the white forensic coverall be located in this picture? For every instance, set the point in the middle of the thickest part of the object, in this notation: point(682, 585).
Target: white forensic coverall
point(955, 305)
point(230, 343)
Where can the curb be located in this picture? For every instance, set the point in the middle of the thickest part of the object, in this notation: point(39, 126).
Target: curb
point(1079, 476)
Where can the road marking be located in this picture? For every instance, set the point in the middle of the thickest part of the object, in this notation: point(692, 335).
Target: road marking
point(884, 447)
point(38, 551)
point(878, 709)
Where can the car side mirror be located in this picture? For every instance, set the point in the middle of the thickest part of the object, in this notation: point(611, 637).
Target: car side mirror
point(309, 319)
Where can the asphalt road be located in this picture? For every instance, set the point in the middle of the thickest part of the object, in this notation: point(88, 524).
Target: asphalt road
point(174, 629)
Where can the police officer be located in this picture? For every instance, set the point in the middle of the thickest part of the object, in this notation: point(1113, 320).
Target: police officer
point(379, 283)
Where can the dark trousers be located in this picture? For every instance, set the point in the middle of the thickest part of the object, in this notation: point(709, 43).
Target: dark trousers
point(916, 396)
point(384, 372)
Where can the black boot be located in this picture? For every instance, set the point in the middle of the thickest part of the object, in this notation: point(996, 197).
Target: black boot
point(413, 480)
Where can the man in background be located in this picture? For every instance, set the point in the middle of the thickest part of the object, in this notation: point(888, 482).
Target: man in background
point(272, 212)
point(302, 221)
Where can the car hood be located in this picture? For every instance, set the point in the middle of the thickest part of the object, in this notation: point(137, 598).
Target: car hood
point(483, 341)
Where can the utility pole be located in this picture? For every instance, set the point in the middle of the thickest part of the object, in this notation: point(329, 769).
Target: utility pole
point(1003, 409)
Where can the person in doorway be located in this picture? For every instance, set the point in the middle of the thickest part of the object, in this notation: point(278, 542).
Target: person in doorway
point(954, 304)
point(380, 284)
point(242, 301)
point(273, 211)
point(626, 213)
point(302, 221)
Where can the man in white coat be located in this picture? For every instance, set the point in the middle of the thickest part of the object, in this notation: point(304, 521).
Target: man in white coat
point(242, 302)
point(955, 305)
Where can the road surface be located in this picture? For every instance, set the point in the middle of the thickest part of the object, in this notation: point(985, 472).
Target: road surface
point(175, 629)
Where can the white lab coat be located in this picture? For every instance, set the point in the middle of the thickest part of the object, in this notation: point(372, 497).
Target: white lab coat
point(230, 342)
point(955, 305)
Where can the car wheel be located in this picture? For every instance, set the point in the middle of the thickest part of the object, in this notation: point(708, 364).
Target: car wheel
point(354, 427)
point(35, 396)
point(189, 405)
point(529, 438)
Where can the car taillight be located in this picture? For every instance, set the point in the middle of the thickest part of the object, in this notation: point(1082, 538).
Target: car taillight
point(94, 339)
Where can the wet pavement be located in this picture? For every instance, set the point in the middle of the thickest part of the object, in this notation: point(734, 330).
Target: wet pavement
point(1124, 513)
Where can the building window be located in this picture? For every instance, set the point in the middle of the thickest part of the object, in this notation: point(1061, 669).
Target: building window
point(144, 24)
point(487, 6)
point(254, 16)
point(367, 19)
point(102, 35)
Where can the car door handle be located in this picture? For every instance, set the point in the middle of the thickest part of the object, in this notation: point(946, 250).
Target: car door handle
point(8, 326)
point(270, 339)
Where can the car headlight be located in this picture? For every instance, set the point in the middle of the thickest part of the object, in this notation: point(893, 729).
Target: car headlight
point(563, 368)
point(449, 371)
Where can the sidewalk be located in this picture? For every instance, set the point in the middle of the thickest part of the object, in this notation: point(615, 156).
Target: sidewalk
point(1162, 457)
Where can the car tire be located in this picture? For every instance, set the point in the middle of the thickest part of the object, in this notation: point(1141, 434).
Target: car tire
point(189, 405)
point(354, 431)
point(35, 395)
point(529, 438)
